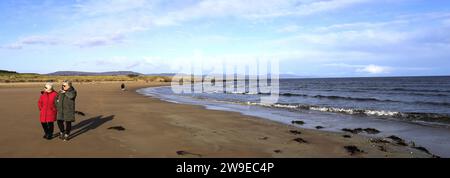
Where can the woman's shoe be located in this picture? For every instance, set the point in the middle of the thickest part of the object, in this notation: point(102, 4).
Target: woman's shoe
point(49, 136)
point(66, 137)
point(61, 135)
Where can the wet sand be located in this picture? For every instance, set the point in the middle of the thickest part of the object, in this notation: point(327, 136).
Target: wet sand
point(155, 128)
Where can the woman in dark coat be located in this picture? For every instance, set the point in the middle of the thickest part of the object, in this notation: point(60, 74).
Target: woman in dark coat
point(65, 105)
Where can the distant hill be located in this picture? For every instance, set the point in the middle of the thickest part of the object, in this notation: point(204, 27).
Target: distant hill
point(116, 73)
point(162, 74)
point(282, 76)
point(79, 73)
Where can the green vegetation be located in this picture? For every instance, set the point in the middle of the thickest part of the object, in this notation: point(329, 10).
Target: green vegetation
point(5, 72)
point(13, 77)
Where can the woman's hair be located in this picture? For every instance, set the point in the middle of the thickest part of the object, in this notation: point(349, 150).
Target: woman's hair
point(68, 82)
point(49, 86)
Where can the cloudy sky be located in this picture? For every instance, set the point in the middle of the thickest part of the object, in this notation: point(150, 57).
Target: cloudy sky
point(326, 38)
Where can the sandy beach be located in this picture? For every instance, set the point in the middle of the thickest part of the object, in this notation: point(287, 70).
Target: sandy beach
point(155, 128)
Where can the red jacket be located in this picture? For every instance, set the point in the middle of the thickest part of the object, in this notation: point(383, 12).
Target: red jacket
point(47, 107)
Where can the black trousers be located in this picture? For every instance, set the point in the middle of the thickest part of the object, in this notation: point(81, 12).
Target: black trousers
point(48, 128)
point(67, 128)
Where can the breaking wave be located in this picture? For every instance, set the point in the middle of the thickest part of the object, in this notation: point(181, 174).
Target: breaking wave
point(428, 117)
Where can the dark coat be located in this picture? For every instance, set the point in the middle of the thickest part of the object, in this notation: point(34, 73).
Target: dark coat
point(65, 104)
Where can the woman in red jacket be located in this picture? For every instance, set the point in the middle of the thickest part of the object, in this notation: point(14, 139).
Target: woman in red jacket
point(47, 110)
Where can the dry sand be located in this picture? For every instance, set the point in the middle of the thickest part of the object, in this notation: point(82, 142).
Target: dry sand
point(155, 128)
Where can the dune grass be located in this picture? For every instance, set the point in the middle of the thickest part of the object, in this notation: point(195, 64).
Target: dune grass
point(18, 78)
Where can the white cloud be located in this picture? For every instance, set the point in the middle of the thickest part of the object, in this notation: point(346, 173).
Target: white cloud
point(100, 40)
point(446, 22)
point(406, 38)
point(369, 69)
point(85, 41)
point(33, 40)
point(257, 9)
point(288, 29)
point(106, 7)
point(374, 69)
point(359, 38)
point(43, 40)
point(362, 25)
point(12, 46)
point(94, 21)
point(322, 6)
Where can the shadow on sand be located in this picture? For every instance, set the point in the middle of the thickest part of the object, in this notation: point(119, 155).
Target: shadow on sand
point(89, 124)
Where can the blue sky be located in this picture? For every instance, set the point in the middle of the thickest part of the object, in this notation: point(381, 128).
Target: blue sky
point(323, 38)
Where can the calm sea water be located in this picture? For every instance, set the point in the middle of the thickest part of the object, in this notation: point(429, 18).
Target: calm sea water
point(417, 108)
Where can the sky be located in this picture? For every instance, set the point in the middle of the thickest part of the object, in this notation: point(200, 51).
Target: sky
point(317, 38)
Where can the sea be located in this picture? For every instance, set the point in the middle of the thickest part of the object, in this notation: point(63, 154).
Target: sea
point(416, 109)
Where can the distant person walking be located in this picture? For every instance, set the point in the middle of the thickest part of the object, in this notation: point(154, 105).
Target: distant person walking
point(65, 105)
point(123, 87)
point(47, 110)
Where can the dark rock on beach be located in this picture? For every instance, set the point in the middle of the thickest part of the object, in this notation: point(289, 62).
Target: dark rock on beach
point(80, 113)
point(319, 127)
point(359, 130)
point(353, 150)
point(422, 149)
point(435, 156)
point(295, 132)
point(300, 140)
point(398, 140)
point(371, 131)
point(346, 136)
point(118, 128)
point(298, 122)
point(382, 148)
point(379, 140)
point(353, 131)
point(425, 151)
point(277, 151)
point(183, 153)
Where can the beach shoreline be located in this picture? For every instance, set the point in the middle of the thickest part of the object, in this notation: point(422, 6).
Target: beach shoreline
point(156, 128)
point(419, 134)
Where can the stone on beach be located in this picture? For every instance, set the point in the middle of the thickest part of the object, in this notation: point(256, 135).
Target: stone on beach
point(295, 132)
point(298, 122)
point(371, 131)
point(398, 140)
point(359, 130)
point(118, 128)
point(353, 150)
point(346, 136)
point(300, 140)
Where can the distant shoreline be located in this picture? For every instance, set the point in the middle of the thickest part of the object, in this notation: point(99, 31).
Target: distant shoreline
point(428, 76)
